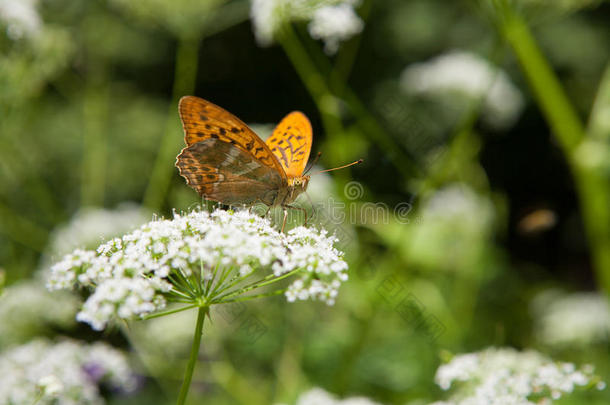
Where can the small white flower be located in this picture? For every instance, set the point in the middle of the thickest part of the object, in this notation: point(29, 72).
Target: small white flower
point(465, 74)
point(506, 376)
point(50, 386)
point(135, 275)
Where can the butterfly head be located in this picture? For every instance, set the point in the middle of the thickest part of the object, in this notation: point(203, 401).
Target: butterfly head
point(296, 186)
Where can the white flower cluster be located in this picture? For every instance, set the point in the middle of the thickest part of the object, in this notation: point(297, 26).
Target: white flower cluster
point(318, 396)
point(334, 24)
point(455, 228)
point(64, 373)
point(20, 18)
point(470, 76)
point(565, 320)
point(27, 308)
point(498, 376)
point(458, 203)
point(130, 276)
point(332, 21)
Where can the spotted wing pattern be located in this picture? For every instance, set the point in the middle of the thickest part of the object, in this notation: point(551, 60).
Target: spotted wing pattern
point(220, 171)
point(291, 141)
point(203, 120)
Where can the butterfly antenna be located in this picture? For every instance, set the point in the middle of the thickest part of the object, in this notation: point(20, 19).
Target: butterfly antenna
point(313, 162)
point(341, 167)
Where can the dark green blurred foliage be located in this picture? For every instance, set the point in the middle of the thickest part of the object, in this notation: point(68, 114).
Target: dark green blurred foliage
point(88, 118)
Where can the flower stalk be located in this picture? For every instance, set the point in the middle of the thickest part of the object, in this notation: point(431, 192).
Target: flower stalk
point(190, 367)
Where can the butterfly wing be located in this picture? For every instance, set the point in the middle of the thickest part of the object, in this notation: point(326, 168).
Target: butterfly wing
point(220, 171)
point(291, 141)
point(203, 120)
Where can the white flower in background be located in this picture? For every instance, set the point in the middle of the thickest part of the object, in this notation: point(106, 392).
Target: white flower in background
point(562, 319)
point(332, 21)
point(36, 51)
point(91, 226)
point(27, 309)
point(20, 18)
point(64, 373)
point(135, 275)
point(499, 376)
point(334, 24)
point(467, 75)
point(459, 203)
point(318, 396)
point(455, 226)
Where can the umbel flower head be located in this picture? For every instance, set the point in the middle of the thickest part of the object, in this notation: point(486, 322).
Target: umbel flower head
point(498, 376)
point(198, 260)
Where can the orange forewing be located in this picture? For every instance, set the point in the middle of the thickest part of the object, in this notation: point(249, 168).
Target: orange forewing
point(203, 120)
point(290, 142)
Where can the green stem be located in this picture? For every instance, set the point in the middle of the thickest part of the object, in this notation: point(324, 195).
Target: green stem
point(313, 81)
point(256, 284)
point(591, 185)
point(252, 297)
point(185, 75)
point(169, 312)
point(547, 89)
point(365, 120)
point(188, 374)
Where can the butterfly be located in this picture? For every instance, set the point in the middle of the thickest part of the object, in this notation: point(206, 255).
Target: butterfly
point(225, 161)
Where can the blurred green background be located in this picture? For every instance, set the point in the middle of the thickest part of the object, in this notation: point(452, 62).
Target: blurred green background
point(485, 132)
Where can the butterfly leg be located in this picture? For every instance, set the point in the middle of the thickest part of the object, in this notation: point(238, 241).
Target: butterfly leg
point(300, 209)
point(285, 216)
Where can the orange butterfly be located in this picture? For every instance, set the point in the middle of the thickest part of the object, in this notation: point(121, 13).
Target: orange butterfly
point(226, 161)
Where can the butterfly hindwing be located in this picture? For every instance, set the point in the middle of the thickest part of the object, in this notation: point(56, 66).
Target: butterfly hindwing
point(220, 171)
point(203, 120)
point(291, 141)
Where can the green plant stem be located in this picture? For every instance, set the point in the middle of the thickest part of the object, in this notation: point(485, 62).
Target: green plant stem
point(169, 312)
point(185, 75)
point(257, 284)
point(544, 83)
point(365, 120)
point(190, 367)
point(592, 187)
point(326, 103)
point(252, 297)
